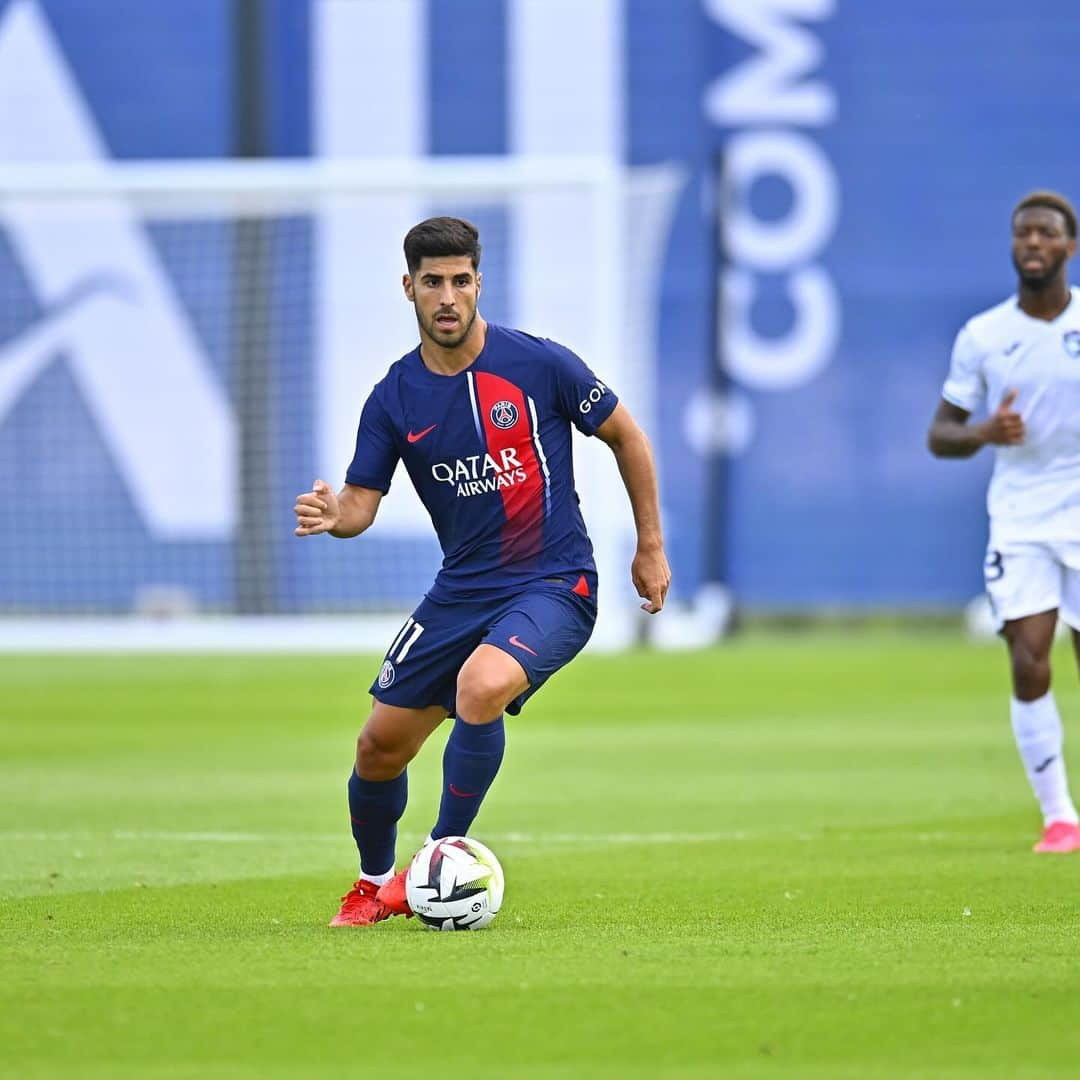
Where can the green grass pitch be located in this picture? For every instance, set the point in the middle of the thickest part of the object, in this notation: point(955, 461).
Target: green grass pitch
point(791, 856)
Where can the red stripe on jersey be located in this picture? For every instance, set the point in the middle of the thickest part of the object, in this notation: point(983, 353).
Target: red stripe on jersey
point(505, 416)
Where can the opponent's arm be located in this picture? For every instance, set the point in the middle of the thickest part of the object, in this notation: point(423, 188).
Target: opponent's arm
point(348, 513)
point(650, 571)
point(950, 434)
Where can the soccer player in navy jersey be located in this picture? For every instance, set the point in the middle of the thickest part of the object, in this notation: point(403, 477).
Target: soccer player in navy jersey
point(480, 416)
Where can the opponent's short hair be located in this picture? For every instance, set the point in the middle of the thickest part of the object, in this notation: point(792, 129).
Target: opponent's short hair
point(1049, 200)
point(442, 236)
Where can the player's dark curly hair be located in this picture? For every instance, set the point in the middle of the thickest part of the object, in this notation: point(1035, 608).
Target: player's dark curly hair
point(442, 236)
point(1049, 200)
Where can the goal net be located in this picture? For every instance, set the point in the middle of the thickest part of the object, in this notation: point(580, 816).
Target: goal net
point(185, 346)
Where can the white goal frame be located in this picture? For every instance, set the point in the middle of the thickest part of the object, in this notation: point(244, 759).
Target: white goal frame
point(233, 189)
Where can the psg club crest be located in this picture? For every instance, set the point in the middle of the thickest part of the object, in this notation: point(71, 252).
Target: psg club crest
point(386, 676)
point(1072, 342)
point(504, 414)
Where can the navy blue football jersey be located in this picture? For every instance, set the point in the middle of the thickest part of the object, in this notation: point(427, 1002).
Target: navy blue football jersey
point(489, 453)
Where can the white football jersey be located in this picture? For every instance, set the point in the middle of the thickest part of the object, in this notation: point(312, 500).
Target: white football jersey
point(1034, 493)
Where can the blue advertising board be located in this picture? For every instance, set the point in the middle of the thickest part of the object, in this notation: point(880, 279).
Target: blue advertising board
point(840, 177)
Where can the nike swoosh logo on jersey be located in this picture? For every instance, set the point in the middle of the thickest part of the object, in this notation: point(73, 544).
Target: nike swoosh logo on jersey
point(521, 645)
point(420, 434)
point(463, 794)
point(1011, 349)
point(1046, 764)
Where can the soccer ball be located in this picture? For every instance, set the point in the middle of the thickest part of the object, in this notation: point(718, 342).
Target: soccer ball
point(454, 884)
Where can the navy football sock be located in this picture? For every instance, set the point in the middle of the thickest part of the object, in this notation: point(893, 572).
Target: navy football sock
point(472, 757)
point(375, 807)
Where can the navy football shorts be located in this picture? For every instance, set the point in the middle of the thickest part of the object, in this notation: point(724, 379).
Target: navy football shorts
point(543, 628)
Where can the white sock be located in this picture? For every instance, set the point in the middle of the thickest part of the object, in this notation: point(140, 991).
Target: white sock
point(1039, 738)
point(377, 879)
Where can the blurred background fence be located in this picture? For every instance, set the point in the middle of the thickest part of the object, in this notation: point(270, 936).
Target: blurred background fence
point(762, 221)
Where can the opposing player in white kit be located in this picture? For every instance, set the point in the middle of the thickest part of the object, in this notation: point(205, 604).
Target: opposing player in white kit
point(1021, 360)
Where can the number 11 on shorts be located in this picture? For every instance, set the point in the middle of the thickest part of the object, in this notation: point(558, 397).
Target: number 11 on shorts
point(405, 639)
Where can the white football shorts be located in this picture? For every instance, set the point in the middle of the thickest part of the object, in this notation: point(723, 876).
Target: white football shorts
point(1025, 578)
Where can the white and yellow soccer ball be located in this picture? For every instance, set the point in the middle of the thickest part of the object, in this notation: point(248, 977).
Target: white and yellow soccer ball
point(455, 884)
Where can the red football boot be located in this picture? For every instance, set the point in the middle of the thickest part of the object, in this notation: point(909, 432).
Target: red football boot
point(359, 906)
point(392, 895)
point(1059, 838)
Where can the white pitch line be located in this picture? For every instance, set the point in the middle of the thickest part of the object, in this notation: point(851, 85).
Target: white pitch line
point(617, 838)
point(497, 838)
point(569, 839)
point(194, 837)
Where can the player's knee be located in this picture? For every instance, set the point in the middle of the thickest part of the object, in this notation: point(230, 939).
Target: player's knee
point(1031, 675)
point(481, 697)
point(379, 758)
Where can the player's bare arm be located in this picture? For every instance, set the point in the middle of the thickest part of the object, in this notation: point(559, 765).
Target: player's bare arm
point(650, 571)
point(952, 436)
point(348, 513)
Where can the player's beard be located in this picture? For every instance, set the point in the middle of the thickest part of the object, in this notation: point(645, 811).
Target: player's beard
point(429, 328)
point(1039, 282)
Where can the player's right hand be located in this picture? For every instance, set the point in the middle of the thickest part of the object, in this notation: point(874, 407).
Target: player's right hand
point(317, 510)
point(1005, 427)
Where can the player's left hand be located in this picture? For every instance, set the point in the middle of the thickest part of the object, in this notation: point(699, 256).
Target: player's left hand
point(652, 577)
